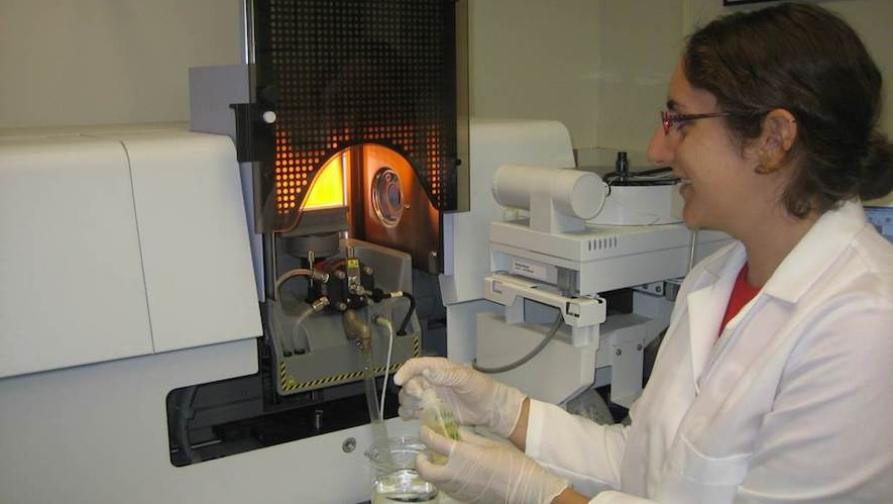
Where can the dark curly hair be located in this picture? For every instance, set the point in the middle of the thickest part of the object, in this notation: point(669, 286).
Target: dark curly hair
point(806, 60)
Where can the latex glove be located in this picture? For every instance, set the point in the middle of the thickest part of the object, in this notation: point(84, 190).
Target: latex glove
point(481, 470)
point(473, 397)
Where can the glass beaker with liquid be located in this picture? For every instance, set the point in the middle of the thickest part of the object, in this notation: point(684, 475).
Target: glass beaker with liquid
point(394, 478)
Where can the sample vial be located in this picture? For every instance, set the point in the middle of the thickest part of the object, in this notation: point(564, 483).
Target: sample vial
point(437, 417)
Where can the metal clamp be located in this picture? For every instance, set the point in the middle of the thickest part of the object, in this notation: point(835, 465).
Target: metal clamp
point(584, 314)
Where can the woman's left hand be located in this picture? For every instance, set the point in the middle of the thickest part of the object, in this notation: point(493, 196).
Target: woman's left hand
point(481, 470)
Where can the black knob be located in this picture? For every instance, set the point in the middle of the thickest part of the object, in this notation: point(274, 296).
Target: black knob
point(621, 165)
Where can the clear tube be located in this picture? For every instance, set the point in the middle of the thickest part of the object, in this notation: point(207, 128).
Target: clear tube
point(439, 418)
point(371, 393)
point(387, 363)
point(376, 422)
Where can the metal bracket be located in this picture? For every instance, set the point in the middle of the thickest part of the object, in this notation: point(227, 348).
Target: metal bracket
point(583, 314)
point(667, 288)
point(626, 367)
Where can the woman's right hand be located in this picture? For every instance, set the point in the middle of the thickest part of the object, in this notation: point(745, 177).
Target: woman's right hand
point(473, 397)
point(481, 470)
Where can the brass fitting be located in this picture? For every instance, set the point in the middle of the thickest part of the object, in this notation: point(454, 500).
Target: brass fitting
point(356, 329)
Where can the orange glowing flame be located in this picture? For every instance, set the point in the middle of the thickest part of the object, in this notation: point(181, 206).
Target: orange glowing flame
point(327, 190)
point(292, 171)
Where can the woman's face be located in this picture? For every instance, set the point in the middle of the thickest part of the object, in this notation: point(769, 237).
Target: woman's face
point(718, 182)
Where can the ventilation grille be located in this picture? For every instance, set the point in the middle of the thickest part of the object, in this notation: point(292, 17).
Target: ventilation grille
point(345, 72)
point(603, 243)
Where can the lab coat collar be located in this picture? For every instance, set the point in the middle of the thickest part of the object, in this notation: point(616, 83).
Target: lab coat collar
point(816, 251)
point(707, 304)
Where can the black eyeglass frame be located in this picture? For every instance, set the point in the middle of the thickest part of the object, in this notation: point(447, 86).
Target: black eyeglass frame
point(669, 119)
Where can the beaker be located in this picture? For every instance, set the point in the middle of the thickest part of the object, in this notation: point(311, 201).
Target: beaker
point(396, 480)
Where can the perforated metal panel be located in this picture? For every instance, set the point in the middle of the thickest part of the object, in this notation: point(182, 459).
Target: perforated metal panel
point(345, 72)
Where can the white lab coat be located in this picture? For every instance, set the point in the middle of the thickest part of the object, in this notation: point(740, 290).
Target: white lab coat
point(793, 403)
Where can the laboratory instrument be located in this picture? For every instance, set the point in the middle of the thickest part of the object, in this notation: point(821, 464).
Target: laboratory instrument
point(214, 315)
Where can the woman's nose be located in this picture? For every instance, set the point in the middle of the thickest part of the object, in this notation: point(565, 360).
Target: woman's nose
point(660, 151)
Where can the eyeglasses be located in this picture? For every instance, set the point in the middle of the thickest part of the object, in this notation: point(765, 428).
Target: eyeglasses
point(669, 119)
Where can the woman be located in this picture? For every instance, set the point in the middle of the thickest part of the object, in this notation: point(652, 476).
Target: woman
point(773, 383)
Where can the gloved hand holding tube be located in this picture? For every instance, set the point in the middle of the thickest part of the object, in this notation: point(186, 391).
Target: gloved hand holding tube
point(480, 470)
point(473, 397)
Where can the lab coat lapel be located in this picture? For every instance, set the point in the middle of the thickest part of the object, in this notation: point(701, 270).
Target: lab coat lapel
point(816, 252)
point(706, 307)
point(704, 317)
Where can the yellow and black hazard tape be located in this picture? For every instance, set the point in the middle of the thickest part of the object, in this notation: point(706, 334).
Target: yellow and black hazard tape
point(289, 384)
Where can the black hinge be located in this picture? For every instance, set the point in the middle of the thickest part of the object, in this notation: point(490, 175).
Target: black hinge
point(255, 135)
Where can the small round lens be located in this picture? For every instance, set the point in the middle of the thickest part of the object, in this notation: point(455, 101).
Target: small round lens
point(387, 196)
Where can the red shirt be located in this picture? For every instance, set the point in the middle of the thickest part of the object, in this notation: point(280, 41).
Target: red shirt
point(742, 293)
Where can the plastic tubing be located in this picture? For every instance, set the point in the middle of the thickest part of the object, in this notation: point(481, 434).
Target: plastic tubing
point(409, 313)
point(302, 272)
point(384, 385)
point(539, 348)
point(288, 275)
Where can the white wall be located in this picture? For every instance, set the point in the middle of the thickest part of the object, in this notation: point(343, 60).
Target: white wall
point(70, 62)
point(535, 59)
point(609, 91)
point(600, 66)
point(640, 42)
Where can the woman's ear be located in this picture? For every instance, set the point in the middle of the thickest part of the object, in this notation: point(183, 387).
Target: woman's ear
point(776, 141)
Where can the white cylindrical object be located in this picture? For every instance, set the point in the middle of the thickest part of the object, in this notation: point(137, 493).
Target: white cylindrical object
point(511, 185)
point(578, 193)
point(639, 206)
point(573, 192)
